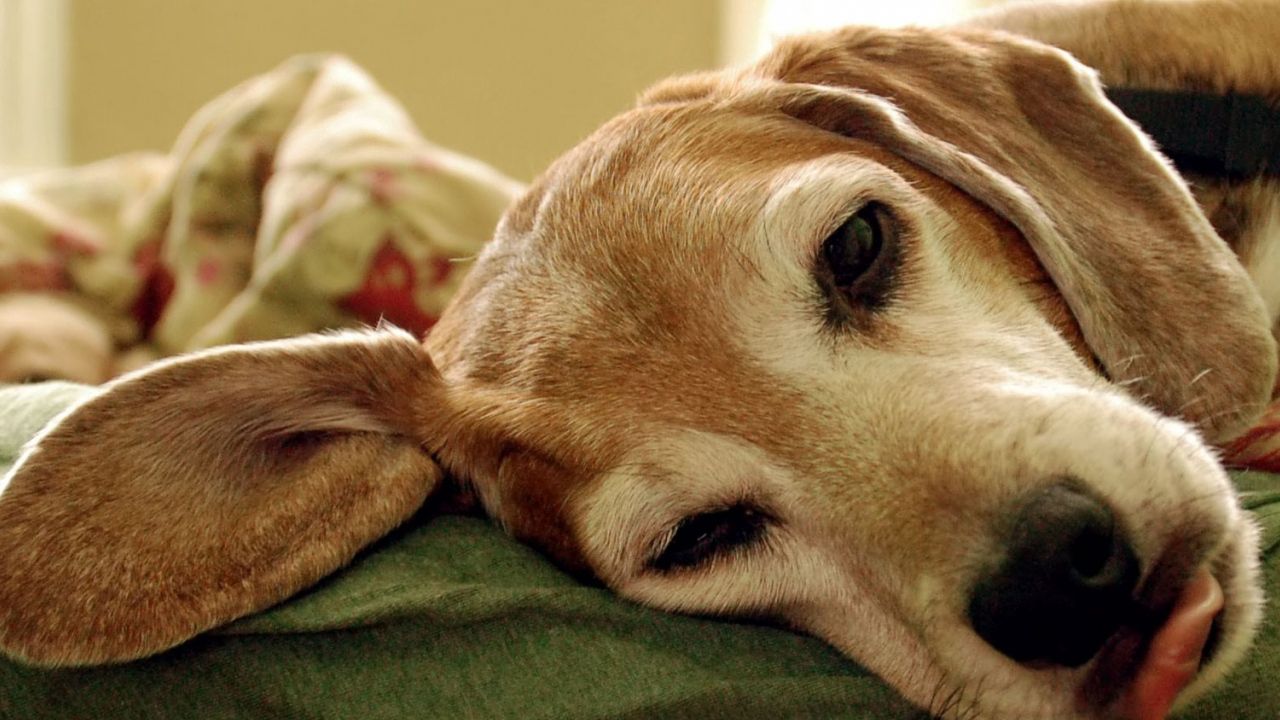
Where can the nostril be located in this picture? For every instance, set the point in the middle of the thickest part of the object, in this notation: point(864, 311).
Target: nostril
point(1090, 553)
point(1098, 556)
point(1066, 583)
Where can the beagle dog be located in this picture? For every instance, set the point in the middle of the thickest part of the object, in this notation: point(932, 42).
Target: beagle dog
point(907, 339)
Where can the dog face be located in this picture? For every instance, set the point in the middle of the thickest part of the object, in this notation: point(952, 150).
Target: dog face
point(880, 339)
point(755, 435)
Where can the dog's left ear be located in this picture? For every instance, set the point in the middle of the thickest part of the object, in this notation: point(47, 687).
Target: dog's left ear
point(1026, 130)
point(208, 487)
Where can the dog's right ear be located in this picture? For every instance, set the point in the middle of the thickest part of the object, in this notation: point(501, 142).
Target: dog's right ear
point(209, 487)
point(1162, 302)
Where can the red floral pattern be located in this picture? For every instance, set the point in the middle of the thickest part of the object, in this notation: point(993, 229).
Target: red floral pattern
point(156, 288)
point(1259, 448)
point(388, 291)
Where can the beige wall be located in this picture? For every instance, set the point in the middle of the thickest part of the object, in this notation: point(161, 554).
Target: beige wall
point(513, 82)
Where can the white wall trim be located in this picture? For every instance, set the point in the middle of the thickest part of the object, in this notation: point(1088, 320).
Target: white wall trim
point(741, 30)
point(33, 83)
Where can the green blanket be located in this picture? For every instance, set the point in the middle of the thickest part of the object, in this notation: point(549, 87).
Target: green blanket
point(451, 619)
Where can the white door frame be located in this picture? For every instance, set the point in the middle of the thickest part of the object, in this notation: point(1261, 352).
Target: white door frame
point(33, 84)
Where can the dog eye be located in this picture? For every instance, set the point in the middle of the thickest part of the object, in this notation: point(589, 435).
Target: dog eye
point(700, 537)
point(854, 246)
point(852, 269)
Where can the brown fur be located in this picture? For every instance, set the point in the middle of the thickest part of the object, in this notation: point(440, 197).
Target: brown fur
point(1212, 46)
point(150, 522)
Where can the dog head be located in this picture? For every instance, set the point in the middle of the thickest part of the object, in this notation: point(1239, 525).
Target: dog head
point(905, 339)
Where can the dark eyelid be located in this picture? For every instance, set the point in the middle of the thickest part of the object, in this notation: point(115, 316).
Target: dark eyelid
point(708, 534)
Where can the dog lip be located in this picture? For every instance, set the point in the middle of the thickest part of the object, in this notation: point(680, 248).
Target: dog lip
point(1177, 599)
point(1118, 661)
point(1176, 651)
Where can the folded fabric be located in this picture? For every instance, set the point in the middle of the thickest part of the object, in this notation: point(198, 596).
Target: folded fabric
point(450, 618)
point(300, 200)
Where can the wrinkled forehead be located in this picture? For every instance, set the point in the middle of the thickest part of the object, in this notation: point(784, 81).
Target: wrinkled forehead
point(668, 212)
point(619, 285)
point(665, 189)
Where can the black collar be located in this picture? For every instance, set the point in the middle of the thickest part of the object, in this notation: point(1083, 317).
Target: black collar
point(1234, 136)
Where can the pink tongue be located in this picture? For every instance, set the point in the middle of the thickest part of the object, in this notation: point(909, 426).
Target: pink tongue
point(1174, 655)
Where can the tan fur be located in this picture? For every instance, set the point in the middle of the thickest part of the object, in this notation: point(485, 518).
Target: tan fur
point(644, 340)
point(140, 493)
point(1215, 46)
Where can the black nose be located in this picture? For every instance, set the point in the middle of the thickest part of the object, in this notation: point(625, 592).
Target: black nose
point(1065, 585)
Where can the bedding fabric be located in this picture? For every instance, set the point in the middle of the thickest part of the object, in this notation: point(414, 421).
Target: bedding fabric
point(302, 199)
point(449, 618)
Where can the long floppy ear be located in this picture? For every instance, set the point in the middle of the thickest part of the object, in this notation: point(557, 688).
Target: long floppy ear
point(211, 486)
point(1025, 129)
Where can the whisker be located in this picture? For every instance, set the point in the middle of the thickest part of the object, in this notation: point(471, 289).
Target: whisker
point(1199, 376)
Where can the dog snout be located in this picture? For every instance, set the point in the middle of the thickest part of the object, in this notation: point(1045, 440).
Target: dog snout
point(1066, 582)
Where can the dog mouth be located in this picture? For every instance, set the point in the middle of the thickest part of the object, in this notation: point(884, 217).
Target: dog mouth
point(1174, 631)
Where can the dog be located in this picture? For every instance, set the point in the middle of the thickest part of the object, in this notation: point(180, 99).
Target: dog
point(907, 339)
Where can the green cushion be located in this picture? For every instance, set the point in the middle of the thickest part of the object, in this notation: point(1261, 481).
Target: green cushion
point(449, 618)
